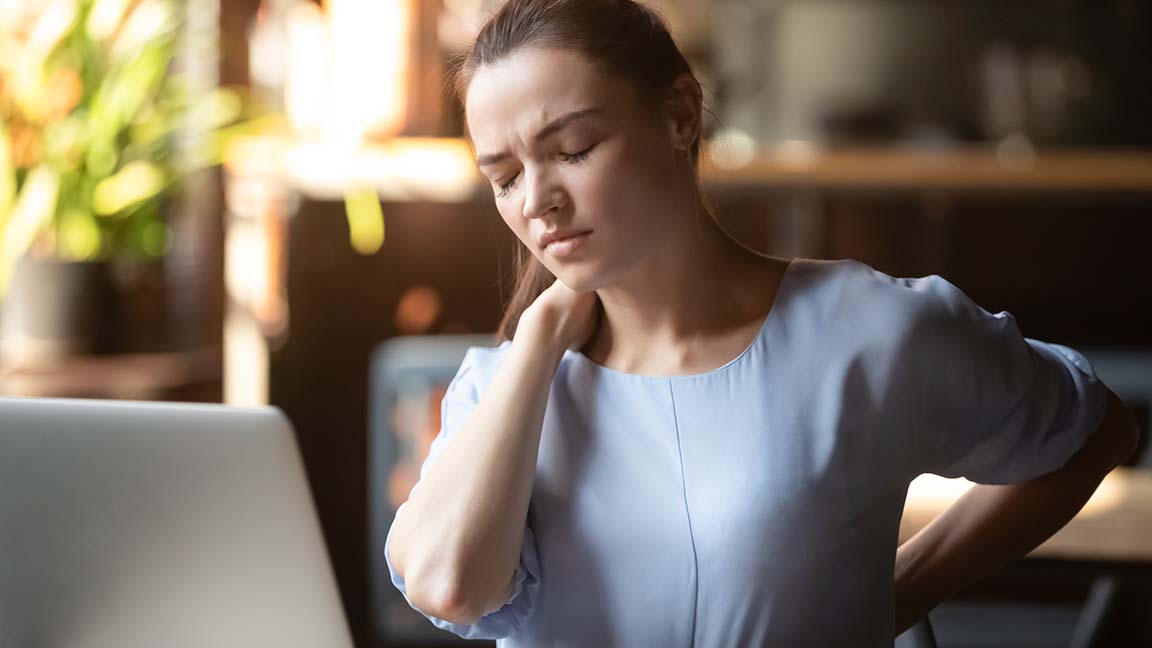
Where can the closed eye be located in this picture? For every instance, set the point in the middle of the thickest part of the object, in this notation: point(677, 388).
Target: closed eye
point(577, 158)
point(505, 187)
point(571, 158)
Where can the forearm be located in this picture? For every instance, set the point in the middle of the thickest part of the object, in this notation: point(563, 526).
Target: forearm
point(987, 528)
point(990, 526)
point(457, 539)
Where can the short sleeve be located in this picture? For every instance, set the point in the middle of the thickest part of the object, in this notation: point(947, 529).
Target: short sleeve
point(460, 399)
point(996, 407)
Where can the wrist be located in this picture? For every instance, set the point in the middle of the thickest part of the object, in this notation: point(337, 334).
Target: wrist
point(926, 574)
point(915, 593)
point(915, 574)
point(540, 332)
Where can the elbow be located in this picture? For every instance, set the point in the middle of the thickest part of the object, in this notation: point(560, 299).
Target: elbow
point(436, 593)
point(450, 600)
point(1119, 430)
point(429, 586)
point(1110, 445)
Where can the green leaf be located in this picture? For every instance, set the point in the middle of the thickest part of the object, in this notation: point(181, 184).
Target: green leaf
point(78, 236)
point(135, 183)
point(7, 176)
point(34, 208)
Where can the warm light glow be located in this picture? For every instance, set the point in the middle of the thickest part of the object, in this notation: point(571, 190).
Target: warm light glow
point(245, 263)
point(418, 309)
point(732, 149)
point(245, 361)
point(245, 349)
point(306, 86)
point(348, 69)
point(1108, 495)
point(797, 155)
point(405, 168)
point(370, 43)
point(939, 492)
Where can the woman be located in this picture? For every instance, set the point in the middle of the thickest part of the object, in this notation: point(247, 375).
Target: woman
point(682, 442)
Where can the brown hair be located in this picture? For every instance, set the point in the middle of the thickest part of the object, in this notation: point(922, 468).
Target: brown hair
point(625, 38)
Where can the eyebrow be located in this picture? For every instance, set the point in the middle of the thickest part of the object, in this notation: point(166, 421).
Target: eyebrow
point(552, 128)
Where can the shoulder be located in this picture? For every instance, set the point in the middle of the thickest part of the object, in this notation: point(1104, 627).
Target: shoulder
point(854, 287)
point(857, 284)
point(872, 306)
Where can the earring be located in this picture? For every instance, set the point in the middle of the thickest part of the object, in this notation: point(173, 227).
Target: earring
point(688, 149)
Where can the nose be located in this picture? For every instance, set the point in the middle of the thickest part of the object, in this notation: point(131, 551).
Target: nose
point(542, 195)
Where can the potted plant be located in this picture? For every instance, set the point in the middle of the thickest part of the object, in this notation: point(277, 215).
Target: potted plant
point(94, 126)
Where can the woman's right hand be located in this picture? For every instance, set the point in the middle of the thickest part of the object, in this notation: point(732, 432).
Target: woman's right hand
point(457, 559)
point(572, 317)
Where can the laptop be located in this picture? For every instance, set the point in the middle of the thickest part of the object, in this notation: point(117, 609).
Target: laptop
point(126, 524)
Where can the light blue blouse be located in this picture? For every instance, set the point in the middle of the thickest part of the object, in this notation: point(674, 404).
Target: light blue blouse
point(758, 504)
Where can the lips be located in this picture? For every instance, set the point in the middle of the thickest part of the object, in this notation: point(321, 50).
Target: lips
point(556, 235)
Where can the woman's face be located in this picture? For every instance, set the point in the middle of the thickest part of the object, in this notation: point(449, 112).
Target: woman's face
point(569, 148)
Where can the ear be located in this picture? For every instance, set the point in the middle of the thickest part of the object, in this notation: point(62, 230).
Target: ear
point(683, 105)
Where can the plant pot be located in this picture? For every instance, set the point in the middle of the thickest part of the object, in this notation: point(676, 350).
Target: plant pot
point(56, 309)
point(142, 322)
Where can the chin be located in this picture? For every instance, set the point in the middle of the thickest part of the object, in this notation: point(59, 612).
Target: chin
point(578, 281)
point(585, 275)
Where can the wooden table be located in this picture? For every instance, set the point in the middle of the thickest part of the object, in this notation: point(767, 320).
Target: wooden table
point(179, 375)
point(1115, 526)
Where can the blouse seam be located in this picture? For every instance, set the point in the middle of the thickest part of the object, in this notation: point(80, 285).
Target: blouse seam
point(991, 432)
point(687, 513)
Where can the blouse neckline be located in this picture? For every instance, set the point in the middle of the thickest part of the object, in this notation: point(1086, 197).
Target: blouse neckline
point(761, 333)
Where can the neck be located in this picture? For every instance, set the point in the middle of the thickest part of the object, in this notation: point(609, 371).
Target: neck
point(698, 285)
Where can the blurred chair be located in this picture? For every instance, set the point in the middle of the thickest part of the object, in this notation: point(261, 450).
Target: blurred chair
point(918, 636)
point(407, 376)
point(1127, 372)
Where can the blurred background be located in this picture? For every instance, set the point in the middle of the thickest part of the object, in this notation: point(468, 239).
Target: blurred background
point(269, 202)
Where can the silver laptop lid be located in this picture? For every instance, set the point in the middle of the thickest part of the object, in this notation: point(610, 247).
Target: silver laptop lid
point(128, 524)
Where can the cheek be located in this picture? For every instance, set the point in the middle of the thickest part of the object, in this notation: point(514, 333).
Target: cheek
point(512, 218)
point(625, 192)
